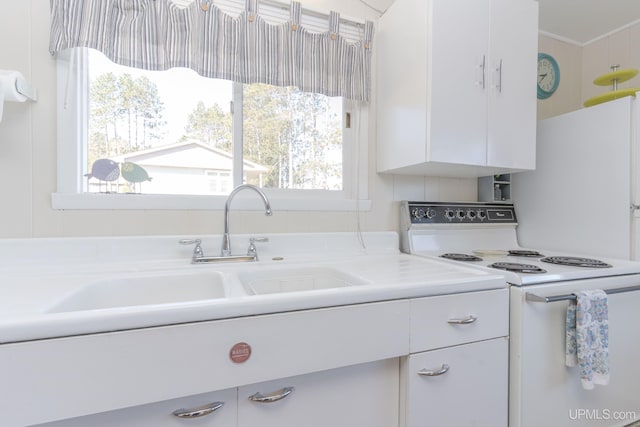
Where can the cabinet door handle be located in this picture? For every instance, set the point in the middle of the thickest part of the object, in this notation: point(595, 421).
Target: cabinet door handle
point(484, 71)
point(200, 411)
point(483, 68)
point(499, 77)
point(274, 397)
point(465, 321)
point(434, 372)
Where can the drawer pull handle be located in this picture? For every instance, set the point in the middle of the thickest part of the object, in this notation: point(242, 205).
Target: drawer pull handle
point(434, 372)
point(278, 395)
point(469, 319)
point(200, 411)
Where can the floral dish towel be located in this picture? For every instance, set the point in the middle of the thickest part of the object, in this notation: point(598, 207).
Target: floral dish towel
point(587, 334)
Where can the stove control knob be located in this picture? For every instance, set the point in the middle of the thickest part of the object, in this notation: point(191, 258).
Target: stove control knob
point(471, 214)
point(449, 214)
point(460, 214)
point(418, 213)
point(482, 215)
point(430, 213)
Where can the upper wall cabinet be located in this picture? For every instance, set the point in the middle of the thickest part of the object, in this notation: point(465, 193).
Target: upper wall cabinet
point(456, 89)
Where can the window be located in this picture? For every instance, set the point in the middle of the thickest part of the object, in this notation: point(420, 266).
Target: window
point(165, 139)
point(219, 182)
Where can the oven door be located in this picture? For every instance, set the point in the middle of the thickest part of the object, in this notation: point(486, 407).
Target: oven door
point(543, 391)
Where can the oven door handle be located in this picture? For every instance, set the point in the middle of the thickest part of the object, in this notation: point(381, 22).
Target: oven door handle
point(464, 321)
point(530, 296)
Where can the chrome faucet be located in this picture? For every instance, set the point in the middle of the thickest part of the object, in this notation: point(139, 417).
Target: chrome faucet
point(226, 238)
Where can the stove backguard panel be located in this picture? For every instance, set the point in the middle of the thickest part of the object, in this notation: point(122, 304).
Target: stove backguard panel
point(434, 226)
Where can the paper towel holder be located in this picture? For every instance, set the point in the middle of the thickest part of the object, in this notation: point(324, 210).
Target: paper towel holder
point(27, 90)
point(18, 89)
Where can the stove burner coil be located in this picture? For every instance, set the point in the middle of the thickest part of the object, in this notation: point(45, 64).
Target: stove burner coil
point(518, 268)
point(576, 261)
point(522, 252)
point(460, 257)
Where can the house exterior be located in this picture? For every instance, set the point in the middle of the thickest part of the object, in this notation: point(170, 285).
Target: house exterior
point(187, 167)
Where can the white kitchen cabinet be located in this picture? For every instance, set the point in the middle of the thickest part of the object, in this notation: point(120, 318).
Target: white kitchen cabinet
point(448, 320)
point(360, 395)
point(98, 373)
point(160, 414)
point(455, 89)
point(472, 390)
point(457, 372)
point(346, 366)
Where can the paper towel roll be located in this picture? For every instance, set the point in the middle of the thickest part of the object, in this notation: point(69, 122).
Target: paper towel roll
point(9, 83)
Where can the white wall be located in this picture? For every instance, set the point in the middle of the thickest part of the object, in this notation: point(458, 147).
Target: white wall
point(28, 158)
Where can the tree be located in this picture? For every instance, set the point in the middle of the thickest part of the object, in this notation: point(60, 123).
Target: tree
point(210, 125)
point(150, 108)
point(267, 131)
point(105, 111)
point(316, 135)
point(295, 134)
point(126, 114)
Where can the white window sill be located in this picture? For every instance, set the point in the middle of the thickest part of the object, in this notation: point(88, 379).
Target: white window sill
point(74, 201)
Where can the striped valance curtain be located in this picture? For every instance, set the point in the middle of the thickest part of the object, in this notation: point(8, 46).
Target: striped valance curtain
point(158, 35)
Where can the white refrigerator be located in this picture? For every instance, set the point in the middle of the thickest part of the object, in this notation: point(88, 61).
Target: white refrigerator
point(583, 196)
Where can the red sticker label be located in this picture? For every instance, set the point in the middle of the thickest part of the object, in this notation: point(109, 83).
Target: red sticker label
point(240, 352)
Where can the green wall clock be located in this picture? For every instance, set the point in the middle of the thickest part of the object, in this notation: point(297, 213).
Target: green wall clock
point(548, 75)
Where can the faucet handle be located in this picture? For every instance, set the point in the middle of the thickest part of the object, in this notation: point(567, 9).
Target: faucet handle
point(197, 251)
point(253, 251)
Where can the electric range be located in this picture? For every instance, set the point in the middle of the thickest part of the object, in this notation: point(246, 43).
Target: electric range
point(485, 234)
point(542, 389)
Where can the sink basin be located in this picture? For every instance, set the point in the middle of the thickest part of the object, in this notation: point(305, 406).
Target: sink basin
point(296, 280)
point(143, 290)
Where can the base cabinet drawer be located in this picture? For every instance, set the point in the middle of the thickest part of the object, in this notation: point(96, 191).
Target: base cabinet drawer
point(443, 321)
point(359, 395)
point(202, 410)
point(461, 386)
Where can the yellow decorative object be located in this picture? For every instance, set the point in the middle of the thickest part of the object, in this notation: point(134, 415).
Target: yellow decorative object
point(618, 76)
point(613, 78)
point(609, 96)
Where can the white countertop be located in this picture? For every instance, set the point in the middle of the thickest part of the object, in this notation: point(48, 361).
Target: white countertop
point(39, 273)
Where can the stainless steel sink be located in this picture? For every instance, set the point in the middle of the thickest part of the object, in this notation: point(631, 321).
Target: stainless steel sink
point(143, 290)
point(274, 281)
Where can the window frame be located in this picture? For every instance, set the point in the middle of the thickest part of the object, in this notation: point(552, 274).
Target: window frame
point(72, 120)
